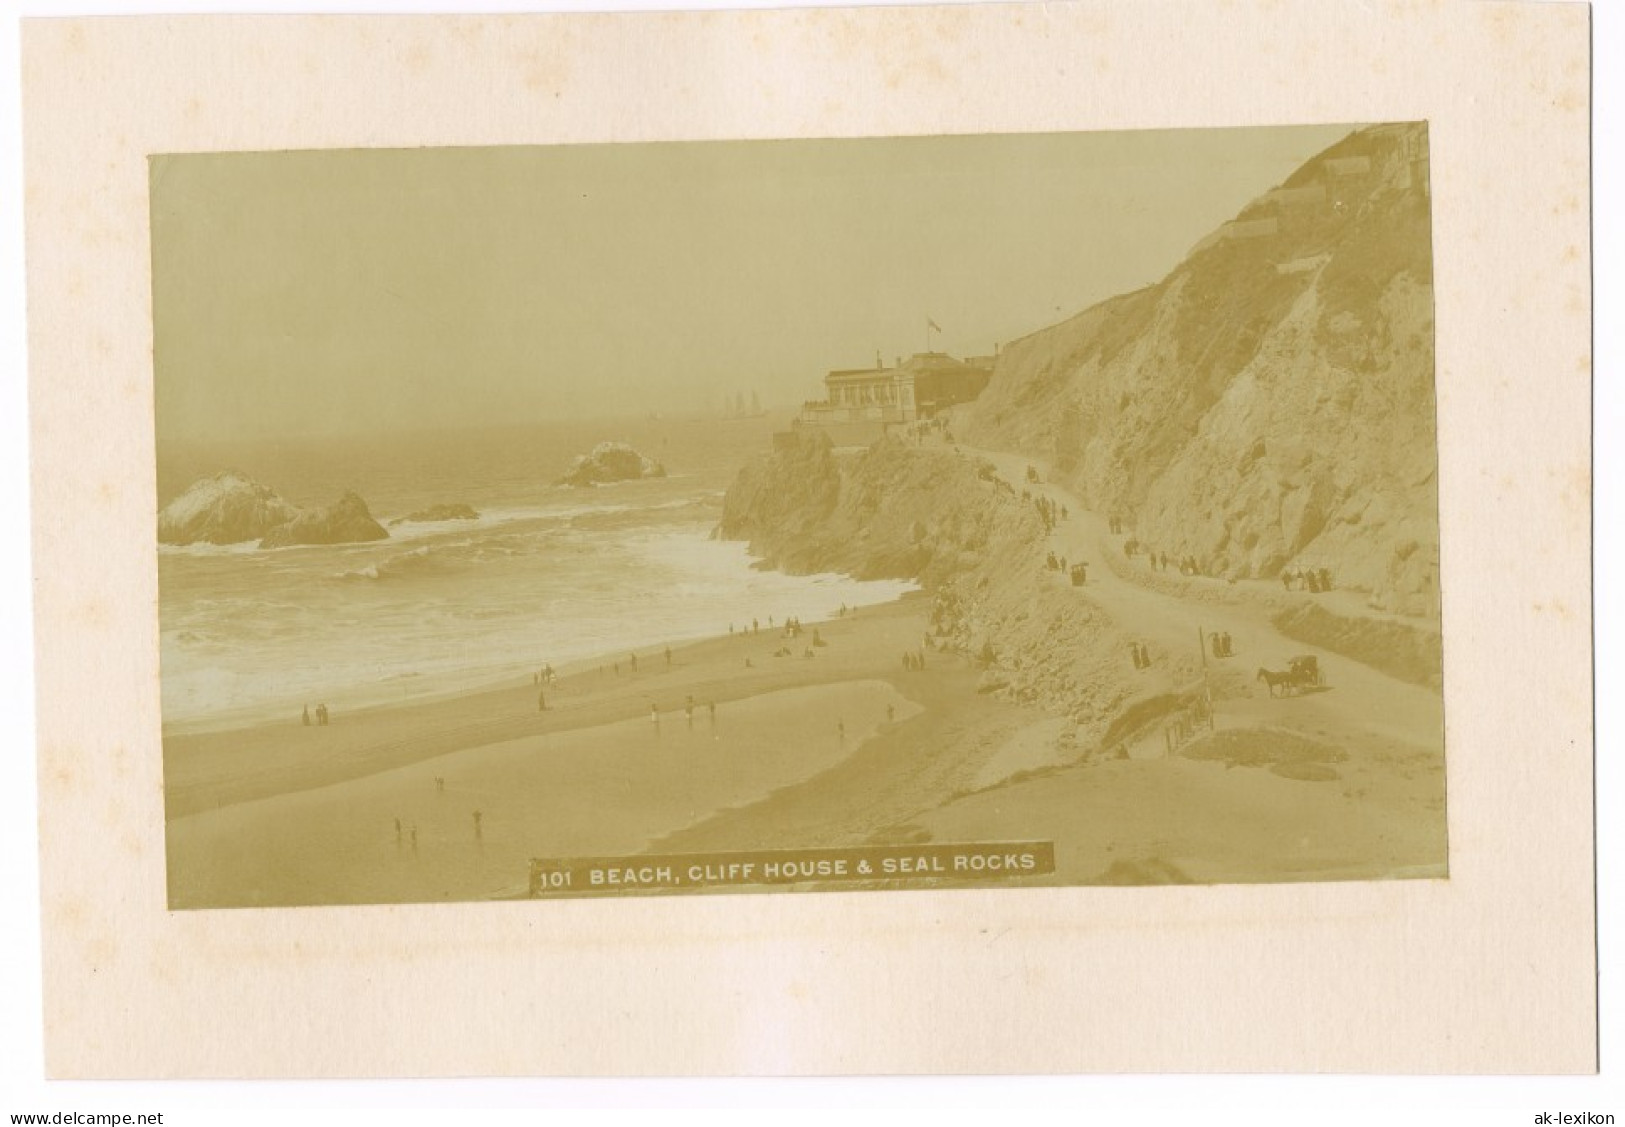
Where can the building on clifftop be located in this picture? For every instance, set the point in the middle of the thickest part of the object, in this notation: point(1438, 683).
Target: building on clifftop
point(861, 404)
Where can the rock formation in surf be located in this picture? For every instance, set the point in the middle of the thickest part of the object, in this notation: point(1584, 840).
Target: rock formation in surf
point(611, 461)
point(454, 511)
point(227, 508)
point(345, 521)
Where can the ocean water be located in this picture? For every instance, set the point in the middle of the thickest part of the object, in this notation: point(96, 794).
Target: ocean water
point(548, 573)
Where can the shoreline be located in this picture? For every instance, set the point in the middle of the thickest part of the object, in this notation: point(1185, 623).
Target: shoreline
point(223, 764)
point(413, 687)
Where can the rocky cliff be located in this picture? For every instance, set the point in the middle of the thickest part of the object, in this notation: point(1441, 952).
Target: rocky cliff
point(899, 511)
point(892, 511)
point(1270, 402)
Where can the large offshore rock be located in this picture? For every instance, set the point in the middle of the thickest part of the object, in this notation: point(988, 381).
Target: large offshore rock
point(611, 461)
point(345, 521)
point(227, 508)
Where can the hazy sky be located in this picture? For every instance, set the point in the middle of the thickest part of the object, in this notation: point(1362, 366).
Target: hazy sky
point(357, 290)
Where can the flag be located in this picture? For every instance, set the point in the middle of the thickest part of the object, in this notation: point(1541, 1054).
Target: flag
point(933, 324)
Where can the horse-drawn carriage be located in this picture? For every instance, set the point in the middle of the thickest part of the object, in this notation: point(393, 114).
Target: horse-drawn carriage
point(1302, 672)
point(1305, 670)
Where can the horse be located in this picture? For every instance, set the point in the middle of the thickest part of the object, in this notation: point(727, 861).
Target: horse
point(1286, 680)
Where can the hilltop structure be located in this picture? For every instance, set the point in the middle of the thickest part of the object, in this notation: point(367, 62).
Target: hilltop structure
point(861, 404)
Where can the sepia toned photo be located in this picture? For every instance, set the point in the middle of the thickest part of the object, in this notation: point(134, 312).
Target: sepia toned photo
point(990, 511)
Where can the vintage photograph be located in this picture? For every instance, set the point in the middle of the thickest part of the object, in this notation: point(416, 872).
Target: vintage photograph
point(799, 515)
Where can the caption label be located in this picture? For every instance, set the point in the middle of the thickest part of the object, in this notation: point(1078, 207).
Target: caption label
point(972, 861)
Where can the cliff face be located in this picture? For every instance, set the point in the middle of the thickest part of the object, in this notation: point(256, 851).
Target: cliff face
point(1270, 403)
point(892, 511)
point(898, 511)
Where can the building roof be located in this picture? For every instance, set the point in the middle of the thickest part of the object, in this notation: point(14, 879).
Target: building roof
point(935, 362)
point(860, 374)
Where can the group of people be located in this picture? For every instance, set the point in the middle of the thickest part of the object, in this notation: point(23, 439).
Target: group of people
point(1221, 645)
point(1313, 580)
point(405, 834)
point(320, 715)
point(914, 662)
point(1160, 561)
point(1141, 655)
point(690, 705)
point(1048, 511)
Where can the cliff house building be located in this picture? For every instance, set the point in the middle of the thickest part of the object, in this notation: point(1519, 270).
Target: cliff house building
point(862, 404)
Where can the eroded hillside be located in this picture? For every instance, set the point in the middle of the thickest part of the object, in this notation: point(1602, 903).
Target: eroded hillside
point(1270, 403)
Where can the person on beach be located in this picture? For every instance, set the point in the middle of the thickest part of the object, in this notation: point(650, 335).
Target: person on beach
point(321, 714)
point(908, 662)
point(668, 655)
point(477, 833)
point(748, 664)
point(439, 785)
point(840, 730)
point(541, 702)
point(397, 831)
point(688, 711)
point(755, 626)
point(712, 706)
point(414, 839)
point(634, 663)
point(891, 713)
point(818, 639)
point(1228, 652)
point(305, 719)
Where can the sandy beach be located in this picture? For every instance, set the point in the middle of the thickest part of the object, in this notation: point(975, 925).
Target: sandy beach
point(280, 813)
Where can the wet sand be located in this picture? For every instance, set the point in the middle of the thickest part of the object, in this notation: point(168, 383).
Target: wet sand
point(279, 814)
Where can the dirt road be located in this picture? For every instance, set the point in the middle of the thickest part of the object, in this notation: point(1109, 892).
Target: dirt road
point(1356, 697)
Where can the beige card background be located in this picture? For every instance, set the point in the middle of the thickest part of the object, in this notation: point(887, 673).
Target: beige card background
point(1492, 970)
